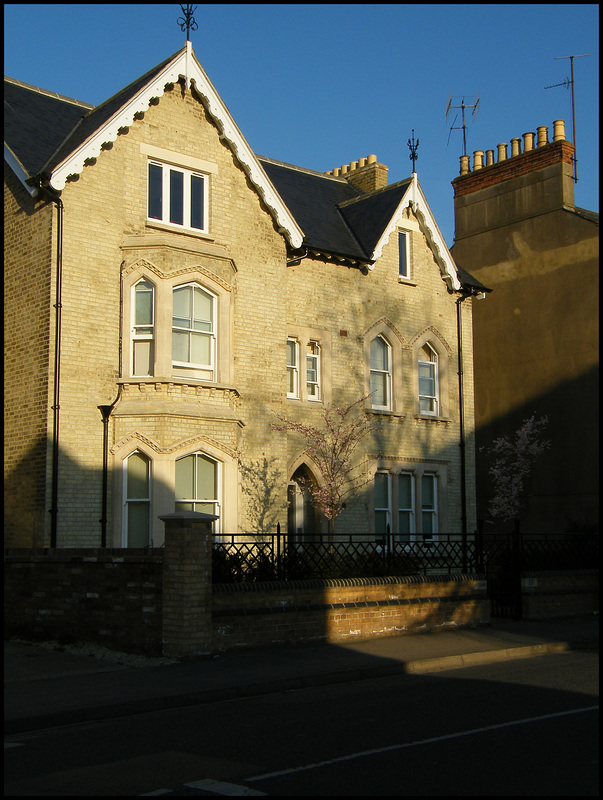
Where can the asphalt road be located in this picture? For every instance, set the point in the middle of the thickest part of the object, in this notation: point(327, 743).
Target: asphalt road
point(526, 727)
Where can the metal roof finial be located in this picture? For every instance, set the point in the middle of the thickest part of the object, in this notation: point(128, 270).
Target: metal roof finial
point(413, 146)
point(188, 21)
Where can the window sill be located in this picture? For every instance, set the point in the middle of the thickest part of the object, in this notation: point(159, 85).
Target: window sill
point(406, 281)
point(164, 226)
point(178, 381)
point(431, 418)
point(385, 412)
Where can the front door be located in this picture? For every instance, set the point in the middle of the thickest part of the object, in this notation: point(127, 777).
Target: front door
point(301, 516)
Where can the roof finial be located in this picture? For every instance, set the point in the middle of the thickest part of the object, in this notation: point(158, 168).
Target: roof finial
point(188, 21)
point(413, 146)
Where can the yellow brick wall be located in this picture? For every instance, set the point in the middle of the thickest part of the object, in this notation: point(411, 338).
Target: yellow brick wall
point(262, 301)
point(28, 343)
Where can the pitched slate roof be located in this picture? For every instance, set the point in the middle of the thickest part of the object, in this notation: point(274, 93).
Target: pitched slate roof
point(314, 200)
point(37, 121)
point(43, 130)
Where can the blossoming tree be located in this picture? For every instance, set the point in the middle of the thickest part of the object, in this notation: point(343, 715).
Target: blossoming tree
point(513, 461)
point(332, 446)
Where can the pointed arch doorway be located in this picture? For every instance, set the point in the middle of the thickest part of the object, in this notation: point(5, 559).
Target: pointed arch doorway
point(303, 523)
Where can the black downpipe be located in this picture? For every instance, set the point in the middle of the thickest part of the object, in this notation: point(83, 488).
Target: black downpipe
point(106, 413)
point(56, 407)
point(462, 431)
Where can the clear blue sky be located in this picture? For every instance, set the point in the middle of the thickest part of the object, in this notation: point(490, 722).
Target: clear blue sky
point(320, 85)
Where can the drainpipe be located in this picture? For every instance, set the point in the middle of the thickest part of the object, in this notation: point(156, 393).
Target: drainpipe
point(459, 328)
point(54, 198)
point(106, 413)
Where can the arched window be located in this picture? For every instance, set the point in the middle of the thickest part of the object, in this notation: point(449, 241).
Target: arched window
point(428, 381)
point(198, 484)
point(381, 373)
point(143, 329)
point(194, 328)
point(137, 492)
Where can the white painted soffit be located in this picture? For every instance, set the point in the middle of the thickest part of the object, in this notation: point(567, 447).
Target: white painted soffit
point(184, 64)
point(19, 170)
point(415, 198)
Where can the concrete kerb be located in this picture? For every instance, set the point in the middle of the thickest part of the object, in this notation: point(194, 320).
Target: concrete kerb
point(159, 702)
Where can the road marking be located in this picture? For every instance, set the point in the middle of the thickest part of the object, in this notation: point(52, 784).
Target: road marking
point(418, 743)
point(219, 787)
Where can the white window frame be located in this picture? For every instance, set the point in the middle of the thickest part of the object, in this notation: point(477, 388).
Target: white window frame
point(142, 333)
point(187, 177)
point(313, 387)
point(403, 509)
point(127, 501)
point(430, 510)
point(404, 240)
point(435, 398)
point(211, 367)
point(215, 502)
point(387, 509)
point(387, 373)
point(293, 369)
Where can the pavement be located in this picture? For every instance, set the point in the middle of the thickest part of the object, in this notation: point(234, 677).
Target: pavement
point(46, 686)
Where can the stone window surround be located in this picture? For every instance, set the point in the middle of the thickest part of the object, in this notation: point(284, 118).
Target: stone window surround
point(163, 285)
point(303, 335)
point(162, 471)
point(417, 467)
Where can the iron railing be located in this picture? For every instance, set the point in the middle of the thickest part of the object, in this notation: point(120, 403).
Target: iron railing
point(248, 558)
point(241, 558)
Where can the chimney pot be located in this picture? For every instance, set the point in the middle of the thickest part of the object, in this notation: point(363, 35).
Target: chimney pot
point(543, 135)
point(353, 165)
point(465, 166)
point(336, 172)
point(528, 141)
point(478, 159)
point(559, 130)
point(372, 159)
point(489, 158)
point(515, 149)
point(344, 169)
point(502, 151)
point(361, 162)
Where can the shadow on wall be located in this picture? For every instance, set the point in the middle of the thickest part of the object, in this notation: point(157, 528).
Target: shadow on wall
point(562, 495)
point(80, 507)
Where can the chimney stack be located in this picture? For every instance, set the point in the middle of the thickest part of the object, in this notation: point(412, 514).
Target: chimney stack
point(535, 181)
point(538, 152)
point(366, 173)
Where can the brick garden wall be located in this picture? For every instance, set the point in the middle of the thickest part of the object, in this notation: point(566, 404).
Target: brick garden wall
point(248, 615)
point(111, 597)
point(555, 593)
point(115, 598)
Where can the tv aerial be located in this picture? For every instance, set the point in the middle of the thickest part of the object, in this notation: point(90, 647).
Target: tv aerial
point(464, 105)
point(567, 83)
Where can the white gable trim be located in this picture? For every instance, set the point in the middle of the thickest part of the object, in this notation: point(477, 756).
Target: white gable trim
point(185, 64)
point(415, 198)
point(19, 170)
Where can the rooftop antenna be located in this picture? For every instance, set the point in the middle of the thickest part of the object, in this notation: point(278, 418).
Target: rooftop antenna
point(414, 146)
point(188, 21)
point(567, 83)
point(462, 127)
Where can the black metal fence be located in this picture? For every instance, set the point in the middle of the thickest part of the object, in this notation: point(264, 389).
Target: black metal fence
point(240, 558)
point(247, 558)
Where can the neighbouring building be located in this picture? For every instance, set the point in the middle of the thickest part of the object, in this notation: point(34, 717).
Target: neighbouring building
point(536, 350)
point(168, 292)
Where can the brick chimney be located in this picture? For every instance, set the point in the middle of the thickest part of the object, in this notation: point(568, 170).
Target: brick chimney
point(366, 173)
point(524, 184)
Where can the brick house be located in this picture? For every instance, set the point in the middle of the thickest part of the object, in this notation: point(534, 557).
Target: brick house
point(170, 292)
point(536, 346)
